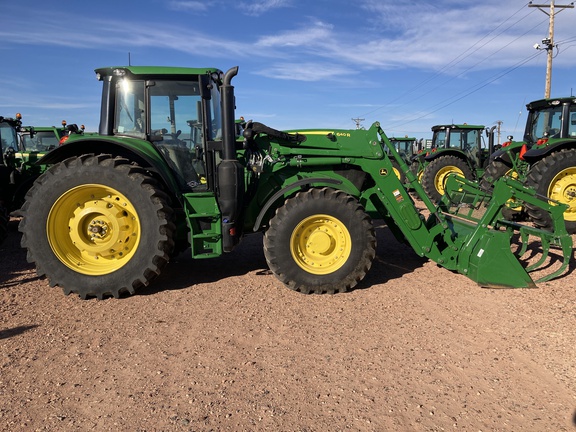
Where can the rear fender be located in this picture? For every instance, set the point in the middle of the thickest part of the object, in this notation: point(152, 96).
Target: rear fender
point(444, 152)
point(538, 152)
point(139, 151)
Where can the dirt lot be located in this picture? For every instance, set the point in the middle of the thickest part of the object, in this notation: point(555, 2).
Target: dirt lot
point(220, 345)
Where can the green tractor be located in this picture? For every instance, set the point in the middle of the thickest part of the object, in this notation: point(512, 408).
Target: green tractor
point(166, 172)
point(456, 149)
point(545, 160)
point(20, 157)
point(41, 139)
point(9, 140)
point(406, 148)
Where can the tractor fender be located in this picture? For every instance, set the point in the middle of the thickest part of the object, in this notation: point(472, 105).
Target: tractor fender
point(443, 152)
point(503, 155)
point(144, 155)
point(448, 152)
point(538, 152)
point(291, 187)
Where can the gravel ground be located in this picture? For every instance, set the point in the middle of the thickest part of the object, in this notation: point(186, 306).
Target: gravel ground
point(221, 345)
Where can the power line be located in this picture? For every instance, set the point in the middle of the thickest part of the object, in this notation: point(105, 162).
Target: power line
point(458, 60)
point(479, 87)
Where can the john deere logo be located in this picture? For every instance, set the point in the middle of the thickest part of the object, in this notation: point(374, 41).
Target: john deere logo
point(383, 172)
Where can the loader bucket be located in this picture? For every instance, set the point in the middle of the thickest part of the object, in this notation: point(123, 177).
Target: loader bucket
point(498, 253)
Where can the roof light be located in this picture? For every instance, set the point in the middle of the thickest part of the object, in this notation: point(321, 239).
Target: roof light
point(119, 72)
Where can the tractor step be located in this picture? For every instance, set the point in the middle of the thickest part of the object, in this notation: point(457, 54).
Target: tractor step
point(205, 225)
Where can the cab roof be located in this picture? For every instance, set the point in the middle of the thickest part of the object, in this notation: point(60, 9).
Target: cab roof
point(154, 71)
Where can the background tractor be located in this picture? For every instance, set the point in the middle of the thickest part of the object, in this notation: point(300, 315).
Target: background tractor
point(166, 172)
point(19, 165)
point(9, 128)
point(456, 149)
point(41, 139)
point(406, 147)
point(545, 160)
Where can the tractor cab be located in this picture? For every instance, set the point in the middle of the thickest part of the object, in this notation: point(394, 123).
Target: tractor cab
point(405, 146)
point(550, 119)
point(465, 139)
point(175, 109)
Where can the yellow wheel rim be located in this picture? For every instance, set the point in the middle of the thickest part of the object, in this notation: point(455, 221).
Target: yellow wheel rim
point(397, 172)
point(103, 229)
point(320, 244)
point(442, 176)
point(511, 203)
point(563, 189)
point(420, 175)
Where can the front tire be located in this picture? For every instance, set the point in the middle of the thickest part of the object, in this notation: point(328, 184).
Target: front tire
point(437, 171)
point(555, 177)
point(320, 241)
point(97, 226)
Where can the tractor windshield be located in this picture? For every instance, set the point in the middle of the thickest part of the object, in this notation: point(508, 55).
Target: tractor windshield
point(546, 122)
point(130, 118)
point(175, 111)
point(439, 138)
point(40, 141)
point(464, 139)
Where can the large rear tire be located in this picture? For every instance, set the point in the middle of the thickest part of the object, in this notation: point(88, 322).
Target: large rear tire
point(97, 226)
point(555, 177)
point(320, 241)
point(437, 171)
point(495, 170)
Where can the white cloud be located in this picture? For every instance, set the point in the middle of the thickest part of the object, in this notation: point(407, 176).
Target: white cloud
point(308, 71)
point(188, 6)
point(259, 7)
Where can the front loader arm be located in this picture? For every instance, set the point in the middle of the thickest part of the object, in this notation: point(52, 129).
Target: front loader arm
point(466, 231)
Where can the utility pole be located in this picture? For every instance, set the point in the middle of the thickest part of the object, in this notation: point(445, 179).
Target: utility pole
point(358, 121)
point(549, 41)
point(498, 128)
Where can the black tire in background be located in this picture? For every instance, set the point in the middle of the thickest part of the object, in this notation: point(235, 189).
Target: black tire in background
point(97, 226)
point(554, 177)
point(320, 241)
point(495, 170)
point(436, 172)
point(399, 173)
point(4, 218)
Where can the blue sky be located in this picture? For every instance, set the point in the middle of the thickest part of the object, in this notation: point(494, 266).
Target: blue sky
point(303, 64)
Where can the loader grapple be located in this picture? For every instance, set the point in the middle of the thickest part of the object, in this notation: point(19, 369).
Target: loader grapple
point(496, 252)
point(467, 232)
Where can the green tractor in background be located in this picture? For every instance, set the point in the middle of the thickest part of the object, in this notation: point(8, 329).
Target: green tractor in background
point(545, 160)
point(21, 148)
point(456, 149)
point(166, 172)
point(9, 128)
point(406, 147)
point(40, 139)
